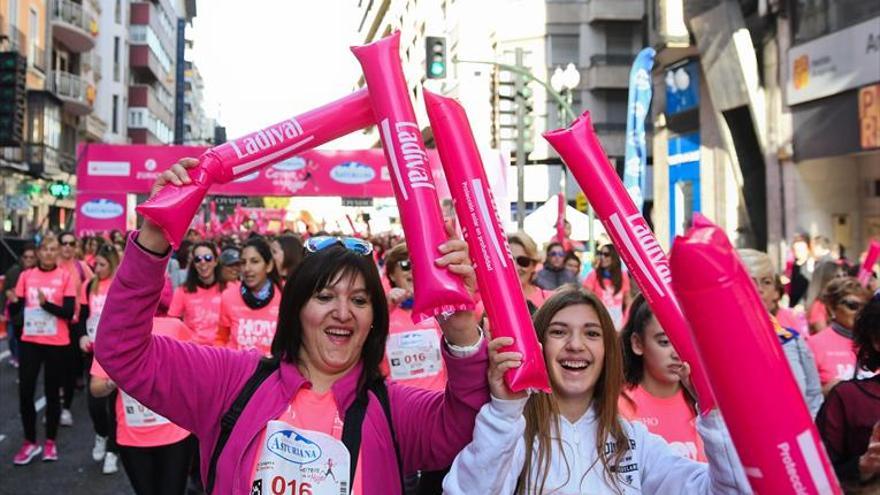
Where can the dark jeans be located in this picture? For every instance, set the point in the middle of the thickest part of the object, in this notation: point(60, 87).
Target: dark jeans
point(32, 358)
point(158, 470)
point(13, 340)
point(102, 411)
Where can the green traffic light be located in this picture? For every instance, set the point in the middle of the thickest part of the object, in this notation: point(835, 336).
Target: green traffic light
point(437, 69)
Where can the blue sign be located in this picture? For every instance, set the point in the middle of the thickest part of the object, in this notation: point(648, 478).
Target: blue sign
point(684, 181)
point(682, 88)
point(635, 154)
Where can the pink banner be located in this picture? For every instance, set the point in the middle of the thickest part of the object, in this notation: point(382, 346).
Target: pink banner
point(351, 174)
point(100, 212)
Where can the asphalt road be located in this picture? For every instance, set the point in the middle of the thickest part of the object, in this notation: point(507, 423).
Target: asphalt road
point(75, 472)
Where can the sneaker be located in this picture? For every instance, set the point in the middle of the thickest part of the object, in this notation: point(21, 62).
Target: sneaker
point(100, 448)
point(27, 453)
point(66, 418)
point(110, 464)
point(50, 453)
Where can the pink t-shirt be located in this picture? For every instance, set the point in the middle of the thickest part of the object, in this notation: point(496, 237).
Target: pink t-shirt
point(248, 328)
point(136, 425)
point(672, 418)
point(412, 352)
point(310, 410)
point(834, 354)
point(96, 303)
point(818, 315)
point(788, 318)
point(605, 292)
point(40, 327)
point(200, 311)
point(79, 276)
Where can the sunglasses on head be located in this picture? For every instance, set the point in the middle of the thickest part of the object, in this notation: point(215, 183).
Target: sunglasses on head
point(203, 259)
point(524, 261)
point(852, 305)
point(359, 246)
point(405, 265)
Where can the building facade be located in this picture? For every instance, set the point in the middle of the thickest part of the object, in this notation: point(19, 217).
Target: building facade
point(152, 62)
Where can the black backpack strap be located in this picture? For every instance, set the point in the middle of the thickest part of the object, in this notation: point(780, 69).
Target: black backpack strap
point(354, 420)
point(266, 367)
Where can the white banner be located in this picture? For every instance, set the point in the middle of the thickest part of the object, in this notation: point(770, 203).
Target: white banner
point(833, 63)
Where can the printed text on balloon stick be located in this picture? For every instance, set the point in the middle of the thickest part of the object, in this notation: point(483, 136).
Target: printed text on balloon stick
point(481, 239)
point(414, 155)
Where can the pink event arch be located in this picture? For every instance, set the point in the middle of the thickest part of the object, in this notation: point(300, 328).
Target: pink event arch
point(107, 173)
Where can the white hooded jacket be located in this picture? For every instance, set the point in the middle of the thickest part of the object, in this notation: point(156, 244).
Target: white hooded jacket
point(493, 460)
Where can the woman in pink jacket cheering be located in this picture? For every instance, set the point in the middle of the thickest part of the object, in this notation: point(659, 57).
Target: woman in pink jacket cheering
point(317, 417)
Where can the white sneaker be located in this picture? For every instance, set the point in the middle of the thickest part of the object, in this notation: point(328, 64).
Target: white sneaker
point(110, 464)
point(66, 418)
point(100, 448)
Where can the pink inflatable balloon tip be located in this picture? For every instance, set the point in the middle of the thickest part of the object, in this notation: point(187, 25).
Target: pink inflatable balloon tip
point(172, 208)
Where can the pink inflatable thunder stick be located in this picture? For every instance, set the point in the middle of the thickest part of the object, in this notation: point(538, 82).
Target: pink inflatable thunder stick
point(435, 289)
point(580, 149)
point(768, 420)
point(174, 207)
point(489, 251)
point(867, 268)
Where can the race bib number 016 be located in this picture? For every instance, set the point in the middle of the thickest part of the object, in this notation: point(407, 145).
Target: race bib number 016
point(414, 354)
point(39, 323)
point(300, 462)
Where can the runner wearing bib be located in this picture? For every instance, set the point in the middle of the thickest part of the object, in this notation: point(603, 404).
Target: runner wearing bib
point(47, 296)
point(330, 339)
point(93, 296)
point(155, 452)
point(197, 300)
point(654, 394)
point(611, 284)
point(413, 352)
point(833, 347)
point(249, 309)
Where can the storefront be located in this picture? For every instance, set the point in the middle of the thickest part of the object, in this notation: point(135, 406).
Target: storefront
point(834, 96)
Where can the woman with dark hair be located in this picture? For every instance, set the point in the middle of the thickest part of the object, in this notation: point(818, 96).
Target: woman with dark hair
point(817, 313)
point(249, 309)
point(574, 440)
point(654, 392)
point(554, 275)
point(197, 301)
point(611, 284)
point(287, 251)
point(833, 347)
point(322, 390)
point(525, 254)
point(849, 421)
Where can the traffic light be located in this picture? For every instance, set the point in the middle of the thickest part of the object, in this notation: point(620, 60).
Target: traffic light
point(13, 68)
point(435, 57)
point(524, 98)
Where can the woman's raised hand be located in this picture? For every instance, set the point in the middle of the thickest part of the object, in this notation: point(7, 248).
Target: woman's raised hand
point(151, 236)
point(499, 362)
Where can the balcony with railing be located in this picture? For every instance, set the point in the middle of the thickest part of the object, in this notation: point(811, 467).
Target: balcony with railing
point(75, 25)
point(609, 71)
point(144, 95)
point(77, 94)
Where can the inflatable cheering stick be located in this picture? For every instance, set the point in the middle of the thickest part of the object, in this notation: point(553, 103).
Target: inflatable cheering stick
point(580, 149)
point(867, 268)
point(173, 208)
point(489, 251)
point(780, 448)
point(436, 290)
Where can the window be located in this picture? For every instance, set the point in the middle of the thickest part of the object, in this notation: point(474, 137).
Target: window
point(618, 39)
point(115, 116)
point(116, 42)
point(13, 13)
point(33, 35)
point(564, 49)
point(815, 18)
point(117, 12)
point(616, 102)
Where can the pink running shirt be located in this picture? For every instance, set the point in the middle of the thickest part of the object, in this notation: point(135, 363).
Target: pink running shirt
point(200, 311)
point(672, 418)
point(55, 285)
point(248, 328)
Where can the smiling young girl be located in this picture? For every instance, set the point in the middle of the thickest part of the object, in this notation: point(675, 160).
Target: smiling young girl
point(574, 440)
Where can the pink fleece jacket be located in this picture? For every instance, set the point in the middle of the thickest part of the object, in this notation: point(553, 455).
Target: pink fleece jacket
point(194, 385)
